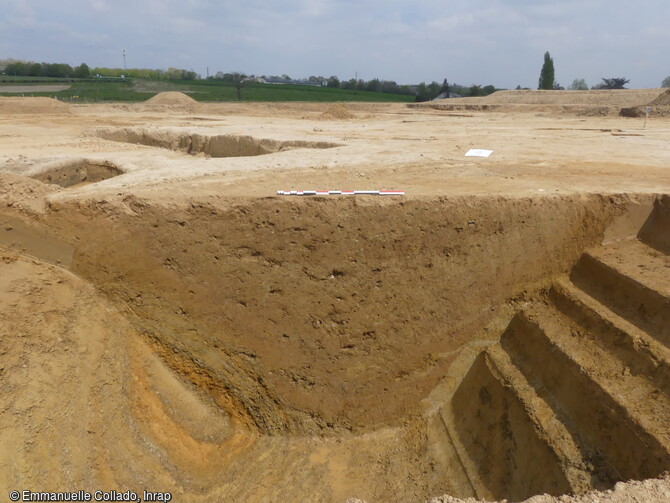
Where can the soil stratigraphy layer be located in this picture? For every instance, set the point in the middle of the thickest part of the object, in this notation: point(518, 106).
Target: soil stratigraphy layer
point(88, 404)
point(326, 302)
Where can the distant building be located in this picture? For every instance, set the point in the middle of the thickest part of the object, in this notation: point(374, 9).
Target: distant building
point(277, 80)
point(443, 96)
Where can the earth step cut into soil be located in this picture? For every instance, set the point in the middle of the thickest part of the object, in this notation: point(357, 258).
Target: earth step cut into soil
point(576, 394)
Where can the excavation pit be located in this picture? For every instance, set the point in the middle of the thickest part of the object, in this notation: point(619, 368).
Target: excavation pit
point(77, 173)
point(227, 145)
point(292, 333)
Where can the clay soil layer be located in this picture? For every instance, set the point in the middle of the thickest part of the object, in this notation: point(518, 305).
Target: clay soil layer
point(169, 323)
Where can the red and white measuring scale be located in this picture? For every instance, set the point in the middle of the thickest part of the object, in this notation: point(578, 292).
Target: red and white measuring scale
point(340, 192)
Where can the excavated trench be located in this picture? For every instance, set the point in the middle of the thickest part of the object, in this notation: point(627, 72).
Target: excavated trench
point(338, 319)
point(230, 145)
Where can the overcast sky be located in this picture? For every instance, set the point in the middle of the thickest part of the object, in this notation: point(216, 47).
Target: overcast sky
point(499, 42)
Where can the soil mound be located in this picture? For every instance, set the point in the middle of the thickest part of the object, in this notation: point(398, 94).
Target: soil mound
point(337, 112)
point(660, 107)
point(41, 105)
point(662, 100)
point(171, 98)
point(599, 102)
point(600, 97)
point(23, 194)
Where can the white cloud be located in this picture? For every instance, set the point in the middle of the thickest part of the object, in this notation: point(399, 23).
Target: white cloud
point(99, 5)
point(22, 14)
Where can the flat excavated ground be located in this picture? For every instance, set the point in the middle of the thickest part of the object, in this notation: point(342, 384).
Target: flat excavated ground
point(169, 323)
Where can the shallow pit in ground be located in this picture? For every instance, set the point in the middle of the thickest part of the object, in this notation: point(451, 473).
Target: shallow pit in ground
point(78, 172)
point(226, 145)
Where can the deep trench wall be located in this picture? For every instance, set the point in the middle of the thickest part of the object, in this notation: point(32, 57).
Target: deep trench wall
point(512, 460)
point(325, 312)
point(654, 232)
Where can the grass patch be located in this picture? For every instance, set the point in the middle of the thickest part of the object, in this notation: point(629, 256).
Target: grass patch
point(93, 91)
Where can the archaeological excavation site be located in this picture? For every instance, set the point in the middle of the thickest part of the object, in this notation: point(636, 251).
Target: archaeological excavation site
point(497, 328)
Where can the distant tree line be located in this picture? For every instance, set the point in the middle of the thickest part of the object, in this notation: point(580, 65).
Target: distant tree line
point(578, 85)
point(63, 70)
point(547, 80)
point(374, 85)
point(422, 91)
point(147, 73)
point(611, 83)
point(56, 70)
point(427, 92)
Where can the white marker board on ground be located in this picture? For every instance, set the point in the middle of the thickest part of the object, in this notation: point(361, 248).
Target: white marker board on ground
point(478, 152)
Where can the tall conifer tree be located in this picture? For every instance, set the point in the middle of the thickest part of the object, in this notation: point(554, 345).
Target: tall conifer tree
point(547, 73)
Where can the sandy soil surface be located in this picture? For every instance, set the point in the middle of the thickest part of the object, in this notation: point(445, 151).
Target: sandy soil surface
point(421, 152)
point(170, 323)
point(652, 490)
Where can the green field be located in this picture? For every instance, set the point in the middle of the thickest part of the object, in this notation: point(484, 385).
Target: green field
point(90, 91)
